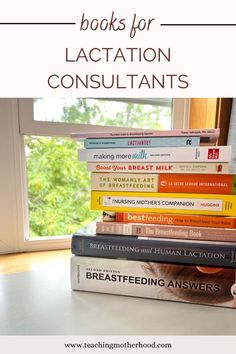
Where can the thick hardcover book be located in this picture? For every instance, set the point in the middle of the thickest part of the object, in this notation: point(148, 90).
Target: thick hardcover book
point(141, 142)
point(160, 154)
point(164, 183)
point(218, 254)
point(166, 231)
point(160, 281)
point(178, 203)
point(172, 219)
point(207, 135)
point(195, 167)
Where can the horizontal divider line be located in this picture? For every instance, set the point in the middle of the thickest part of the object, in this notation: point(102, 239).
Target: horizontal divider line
point(37, 23)
point(199, 24)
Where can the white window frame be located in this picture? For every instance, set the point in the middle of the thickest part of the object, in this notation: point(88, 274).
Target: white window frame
point(16, 120)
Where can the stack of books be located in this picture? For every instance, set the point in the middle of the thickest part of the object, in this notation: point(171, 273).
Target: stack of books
point(169, 217)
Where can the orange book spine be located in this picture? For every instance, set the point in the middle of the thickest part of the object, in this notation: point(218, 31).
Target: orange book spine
point(201, 183)
point(164, 183)
point(174, 219)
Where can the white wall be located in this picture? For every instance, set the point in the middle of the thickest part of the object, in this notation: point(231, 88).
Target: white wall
point(8, 195)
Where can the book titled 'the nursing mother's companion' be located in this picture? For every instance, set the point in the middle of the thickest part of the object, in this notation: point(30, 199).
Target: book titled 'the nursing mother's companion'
point(179, 203)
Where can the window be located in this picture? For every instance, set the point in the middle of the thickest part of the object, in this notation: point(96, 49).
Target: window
point(46, 173)
point(150, 114)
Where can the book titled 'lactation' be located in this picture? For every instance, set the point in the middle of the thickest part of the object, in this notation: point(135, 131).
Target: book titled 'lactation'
point(208, 253)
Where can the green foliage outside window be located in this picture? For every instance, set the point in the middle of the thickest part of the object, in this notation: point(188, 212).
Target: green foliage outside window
point(58, 185)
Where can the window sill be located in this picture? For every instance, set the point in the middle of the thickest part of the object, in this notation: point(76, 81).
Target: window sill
point(24, 262)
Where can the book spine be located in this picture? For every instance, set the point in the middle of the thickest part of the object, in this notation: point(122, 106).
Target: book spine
point(207, 134)
point(173, 282)
point(175, 219)
point(161, 154)
point(217, 254)
point(205, 204)
point(166, 231)
point(164, 183)
point(124, 182)
point(141, 142)
point(187, 168)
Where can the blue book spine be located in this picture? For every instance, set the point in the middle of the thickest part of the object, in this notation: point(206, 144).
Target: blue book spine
point(141, 142)
point(217, 254)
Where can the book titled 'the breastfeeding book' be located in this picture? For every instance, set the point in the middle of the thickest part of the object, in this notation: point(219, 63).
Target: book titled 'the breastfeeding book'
point(166, 231)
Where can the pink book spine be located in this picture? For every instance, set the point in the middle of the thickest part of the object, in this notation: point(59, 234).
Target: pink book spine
point(166, 231)
point(211, 133)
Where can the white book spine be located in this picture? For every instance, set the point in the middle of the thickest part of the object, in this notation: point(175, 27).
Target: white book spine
point(177, 154)
point(175, 167)
point(184, 283)
point(212, 134)
point(128, 182)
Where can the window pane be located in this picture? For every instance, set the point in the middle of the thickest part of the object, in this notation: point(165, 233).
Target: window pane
point(145, 113)
point(58, 187)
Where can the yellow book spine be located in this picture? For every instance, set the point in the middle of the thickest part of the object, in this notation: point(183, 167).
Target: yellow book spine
point(176, 203)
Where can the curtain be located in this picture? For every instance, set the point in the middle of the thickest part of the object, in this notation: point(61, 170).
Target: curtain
point(232, 136)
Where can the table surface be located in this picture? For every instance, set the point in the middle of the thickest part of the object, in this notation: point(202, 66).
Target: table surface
point(41, 302)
